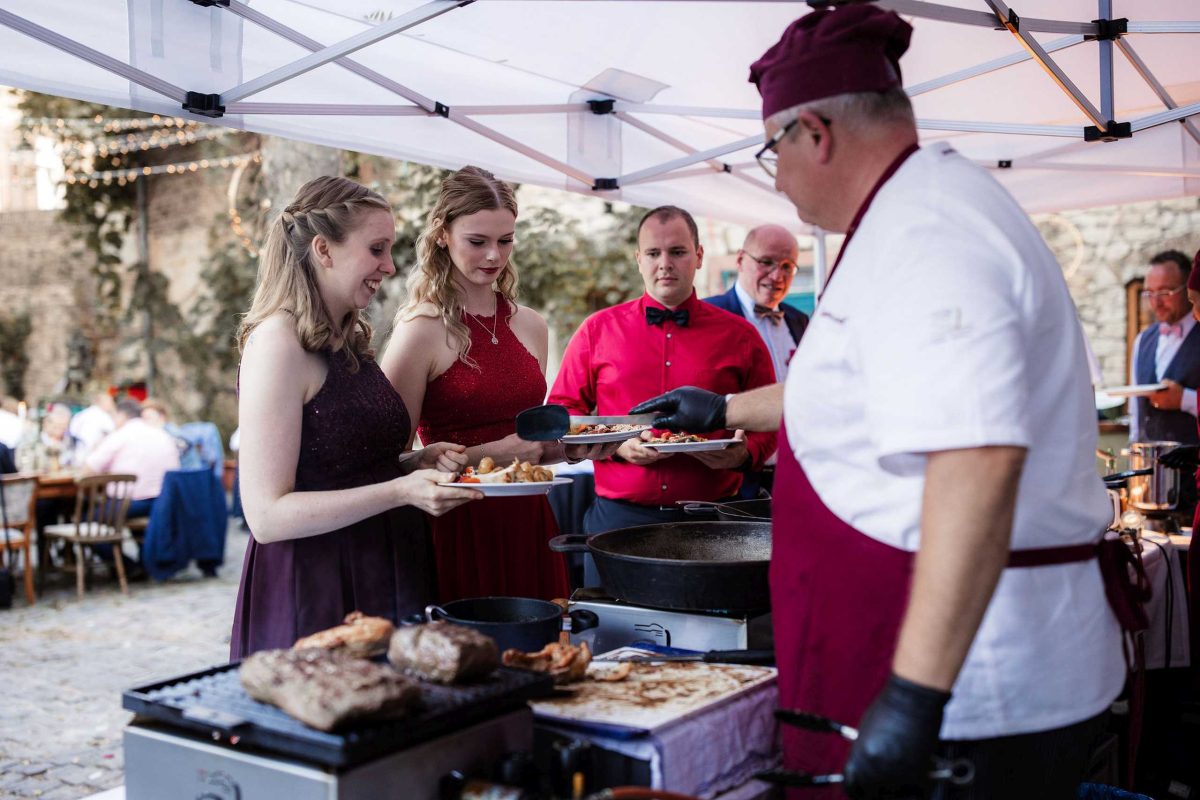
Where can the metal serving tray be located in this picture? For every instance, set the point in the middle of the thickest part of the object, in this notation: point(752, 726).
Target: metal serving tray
point(213, 703)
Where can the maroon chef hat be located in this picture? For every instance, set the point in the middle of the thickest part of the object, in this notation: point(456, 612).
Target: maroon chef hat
point(1194, 276)
point(854, 48)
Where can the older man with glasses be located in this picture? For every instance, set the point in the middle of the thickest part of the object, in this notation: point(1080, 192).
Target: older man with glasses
point(766, 266)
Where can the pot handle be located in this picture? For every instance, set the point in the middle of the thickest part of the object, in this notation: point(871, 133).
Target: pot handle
point(581, 620)
point(1131, 473)
point(434, 612)
point(569, 543)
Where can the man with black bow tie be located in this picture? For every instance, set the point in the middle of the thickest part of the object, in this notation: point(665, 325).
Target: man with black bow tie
point(665, 339)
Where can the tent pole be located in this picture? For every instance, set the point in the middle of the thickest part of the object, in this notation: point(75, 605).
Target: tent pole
point(988, 66)
point(432, 9)
point(1142, 70)
point(1052, 69)
point(820, 259)
point(1106, 66)
point(1163, 117)
point(695, 158)
point(525, 150)
point(294, 36)
point(1071, 131)
point(82, 51)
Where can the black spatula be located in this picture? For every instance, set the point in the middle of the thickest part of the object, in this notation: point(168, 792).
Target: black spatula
point(543, 423)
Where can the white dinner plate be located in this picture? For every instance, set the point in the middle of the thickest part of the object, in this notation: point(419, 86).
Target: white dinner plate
point(691, 447)
point(511, 489)
point(601, 438)
point(1137, 390)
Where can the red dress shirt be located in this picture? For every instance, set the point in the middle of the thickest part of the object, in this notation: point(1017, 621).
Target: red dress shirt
point(616, 360)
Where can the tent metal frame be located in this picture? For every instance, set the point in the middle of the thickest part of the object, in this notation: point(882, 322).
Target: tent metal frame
point(993, 14)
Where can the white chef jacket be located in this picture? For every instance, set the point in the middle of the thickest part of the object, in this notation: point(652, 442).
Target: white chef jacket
point(948, 325)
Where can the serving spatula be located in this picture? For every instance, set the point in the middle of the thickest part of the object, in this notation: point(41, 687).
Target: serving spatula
point(547, 423)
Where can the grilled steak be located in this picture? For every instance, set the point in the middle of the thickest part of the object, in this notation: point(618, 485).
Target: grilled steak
point(325, 689)
point(360, 636)
point(443, 652)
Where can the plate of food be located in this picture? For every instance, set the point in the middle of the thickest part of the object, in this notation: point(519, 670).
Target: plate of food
point(517, 479)
point(1136, 390)
point(598, 430)
point(667, 442)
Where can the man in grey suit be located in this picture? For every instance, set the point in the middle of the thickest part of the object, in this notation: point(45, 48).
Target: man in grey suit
point(766, 265)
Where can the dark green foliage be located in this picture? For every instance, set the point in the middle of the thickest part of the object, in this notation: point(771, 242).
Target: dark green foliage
point(14, 333)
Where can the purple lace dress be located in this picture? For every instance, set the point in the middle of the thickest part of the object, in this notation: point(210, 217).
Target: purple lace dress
point(353, 432)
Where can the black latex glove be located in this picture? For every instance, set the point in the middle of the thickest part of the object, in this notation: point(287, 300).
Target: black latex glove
point(1185, 457)
point(686, 409)
point(893, 755)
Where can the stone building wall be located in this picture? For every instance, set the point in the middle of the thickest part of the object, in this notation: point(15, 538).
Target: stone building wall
point(1102, 249)
point(43, 273)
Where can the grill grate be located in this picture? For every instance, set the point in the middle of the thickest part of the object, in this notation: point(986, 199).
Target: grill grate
point(214, 704)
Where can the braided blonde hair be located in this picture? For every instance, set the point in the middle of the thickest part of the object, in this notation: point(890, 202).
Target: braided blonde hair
point(330, 207)
point(466, 192)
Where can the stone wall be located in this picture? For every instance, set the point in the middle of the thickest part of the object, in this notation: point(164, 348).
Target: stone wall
point(43, 272)
point(1102, 249)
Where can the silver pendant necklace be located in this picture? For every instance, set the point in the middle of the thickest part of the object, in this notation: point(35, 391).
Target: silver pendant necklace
point(495, 322)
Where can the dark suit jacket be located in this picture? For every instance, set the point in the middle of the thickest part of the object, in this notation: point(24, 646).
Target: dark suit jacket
point(795, 319)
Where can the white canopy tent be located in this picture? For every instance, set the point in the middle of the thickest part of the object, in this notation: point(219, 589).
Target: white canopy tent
point(645, 101)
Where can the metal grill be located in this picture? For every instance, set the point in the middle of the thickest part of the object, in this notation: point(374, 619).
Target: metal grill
point(213, 703)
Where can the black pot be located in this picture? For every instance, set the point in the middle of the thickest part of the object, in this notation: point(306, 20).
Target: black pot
point(514, 622)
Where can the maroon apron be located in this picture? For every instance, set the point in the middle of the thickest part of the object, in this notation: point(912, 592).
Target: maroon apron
point(838, 597)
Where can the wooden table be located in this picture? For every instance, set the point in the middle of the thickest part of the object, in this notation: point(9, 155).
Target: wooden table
point(56, 485)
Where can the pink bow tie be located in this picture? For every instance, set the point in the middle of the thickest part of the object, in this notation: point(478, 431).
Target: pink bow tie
point(1165, 329)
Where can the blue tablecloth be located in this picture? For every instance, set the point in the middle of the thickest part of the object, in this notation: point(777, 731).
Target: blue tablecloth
point(187, 523)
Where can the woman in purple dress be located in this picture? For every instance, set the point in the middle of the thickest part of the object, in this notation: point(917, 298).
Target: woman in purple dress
point(331, 497)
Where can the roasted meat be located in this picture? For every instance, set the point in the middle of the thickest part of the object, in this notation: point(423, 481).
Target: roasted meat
point(326, 689)
point(565, 662)
point(360, 636)
point(442, 652)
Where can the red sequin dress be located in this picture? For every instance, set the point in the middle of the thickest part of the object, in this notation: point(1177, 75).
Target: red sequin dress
point(496, 546)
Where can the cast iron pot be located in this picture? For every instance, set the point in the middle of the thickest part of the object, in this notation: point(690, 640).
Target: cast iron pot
point(686, 566)
point(521, 622)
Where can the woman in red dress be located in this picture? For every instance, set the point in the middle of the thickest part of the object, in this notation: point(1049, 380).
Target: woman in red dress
point(466, 358)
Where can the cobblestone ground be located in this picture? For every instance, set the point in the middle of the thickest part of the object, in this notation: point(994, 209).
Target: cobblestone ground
point(64, 663)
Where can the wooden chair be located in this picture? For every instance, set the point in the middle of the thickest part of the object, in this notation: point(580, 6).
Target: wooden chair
point(19, 495)
point(101, 503)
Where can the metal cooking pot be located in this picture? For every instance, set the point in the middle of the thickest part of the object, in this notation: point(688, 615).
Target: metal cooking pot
point(736, 511)
point(1158, 490)
point(521, 622)
point(688, 566)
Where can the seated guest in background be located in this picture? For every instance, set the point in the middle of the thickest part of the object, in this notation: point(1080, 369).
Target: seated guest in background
point(1168, 351)
point(8, 463)
point(12, 427)
point(664, 339)
point(93, 423)
point(136, 448)
point(766, 265)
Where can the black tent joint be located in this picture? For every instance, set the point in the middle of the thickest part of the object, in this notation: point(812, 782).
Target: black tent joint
point(1004, 163)
point(601, 106)
point(1114, 131)
point(441, 109)
point(206, 105)
point(605, 185)
point(211, 3)
point(1109, 29)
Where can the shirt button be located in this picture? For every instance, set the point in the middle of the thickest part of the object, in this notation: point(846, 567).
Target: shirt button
point(668, 363)
point(668, 336)
point(664, 487)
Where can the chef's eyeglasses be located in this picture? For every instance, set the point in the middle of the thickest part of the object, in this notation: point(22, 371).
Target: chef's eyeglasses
point(1161, 294)
point(769, 265)
point(767, 157)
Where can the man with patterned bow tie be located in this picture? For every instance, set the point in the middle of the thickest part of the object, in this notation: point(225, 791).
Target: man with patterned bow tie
point(664, 339)
point(1168, 350)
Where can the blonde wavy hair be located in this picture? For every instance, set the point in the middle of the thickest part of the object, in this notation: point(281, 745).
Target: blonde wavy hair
point(287, 273)
point(466, 192)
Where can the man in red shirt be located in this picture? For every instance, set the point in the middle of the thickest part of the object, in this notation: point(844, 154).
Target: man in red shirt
point(665, 339)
